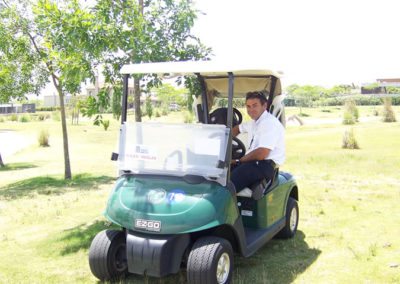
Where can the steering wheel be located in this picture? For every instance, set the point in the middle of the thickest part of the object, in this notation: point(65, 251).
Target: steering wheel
point(238, 148)
point(220, 116)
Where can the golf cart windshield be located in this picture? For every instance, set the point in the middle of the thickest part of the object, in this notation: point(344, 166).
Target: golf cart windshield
point(174, 150)
point(196, 149)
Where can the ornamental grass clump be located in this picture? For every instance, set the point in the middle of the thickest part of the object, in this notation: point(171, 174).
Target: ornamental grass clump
point(351, 113)
point(388, 113)
point(349, 140)
point(43, 138)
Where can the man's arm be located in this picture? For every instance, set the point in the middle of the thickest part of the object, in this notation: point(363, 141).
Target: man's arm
point(258, 154)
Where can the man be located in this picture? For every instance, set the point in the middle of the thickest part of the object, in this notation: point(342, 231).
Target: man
point(266, 150)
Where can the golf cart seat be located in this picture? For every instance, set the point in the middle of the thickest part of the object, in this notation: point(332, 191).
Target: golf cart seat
point(277, 109)
point(263, 185)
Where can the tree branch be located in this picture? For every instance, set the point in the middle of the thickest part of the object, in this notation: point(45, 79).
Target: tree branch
point(48, 64)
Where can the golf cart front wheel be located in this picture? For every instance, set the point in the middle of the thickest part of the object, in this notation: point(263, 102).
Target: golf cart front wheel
point(292, 219)
point(210, 261)
point(107, 255)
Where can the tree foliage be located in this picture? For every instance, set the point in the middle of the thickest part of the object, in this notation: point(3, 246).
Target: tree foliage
point(20, 70)
point(131, 31)
point(46, 39)
point(167, 94)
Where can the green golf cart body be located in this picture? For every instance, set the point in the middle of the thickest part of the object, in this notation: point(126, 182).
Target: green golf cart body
point(174, 200)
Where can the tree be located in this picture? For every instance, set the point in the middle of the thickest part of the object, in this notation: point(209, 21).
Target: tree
point(20, 69)
point(167, 94)
point(53, 39)
point(340, 90)
point(305, 95)
point(1, 162)
point(17, 77)
point(134, 31)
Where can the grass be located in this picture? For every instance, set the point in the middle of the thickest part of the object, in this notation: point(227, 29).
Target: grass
point(348, 231)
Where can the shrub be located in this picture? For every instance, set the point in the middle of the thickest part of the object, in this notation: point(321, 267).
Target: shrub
point(188, 117)
point(47, 108)
point(24, 118)
point(149, 107)
point(14, 117)
point(388, 113)
point(164, 111)
point(56, 116)
point(43, 138)
point(41, 117)
point(1, 119)
point(105, 123)
point(349, 140)
point(157, 113)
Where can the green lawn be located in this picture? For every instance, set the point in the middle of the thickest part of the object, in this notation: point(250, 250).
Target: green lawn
point(349, 224)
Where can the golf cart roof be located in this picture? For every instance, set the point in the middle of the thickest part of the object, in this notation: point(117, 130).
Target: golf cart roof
point(248, 76)
point(204, 68)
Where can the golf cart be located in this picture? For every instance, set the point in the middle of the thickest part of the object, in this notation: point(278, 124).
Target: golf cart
point(174, 200)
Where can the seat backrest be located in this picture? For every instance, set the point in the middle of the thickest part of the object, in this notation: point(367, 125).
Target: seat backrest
point(277, 109)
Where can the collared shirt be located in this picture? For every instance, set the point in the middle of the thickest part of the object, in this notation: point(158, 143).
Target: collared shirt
point(266, 132)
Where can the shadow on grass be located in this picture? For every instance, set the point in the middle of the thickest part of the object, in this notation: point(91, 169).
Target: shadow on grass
point(51, 185)
point(81, 236)
point(16, 166)
point(280, 261)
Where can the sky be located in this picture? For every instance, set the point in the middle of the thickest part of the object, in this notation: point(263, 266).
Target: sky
point(312, 41)
point(317, 42)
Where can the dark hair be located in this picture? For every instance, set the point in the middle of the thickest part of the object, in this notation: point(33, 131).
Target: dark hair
point(257, 95)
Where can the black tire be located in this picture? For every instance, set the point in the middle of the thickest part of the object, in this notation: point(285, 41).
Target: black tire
point(205, 256)
point(107, 255)
point(292, 220)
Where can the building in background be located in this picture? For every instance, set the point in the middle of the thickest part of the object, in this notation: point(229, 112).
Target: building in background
point(17, 108)
point(380, 86)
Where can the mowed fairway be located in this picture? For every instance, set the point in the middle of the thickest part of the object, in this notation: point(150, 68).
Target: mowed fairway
point(349, 230)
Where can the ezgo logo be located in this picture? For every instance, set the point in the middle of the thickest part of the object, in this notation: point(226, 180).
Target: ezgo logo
point(148, 225)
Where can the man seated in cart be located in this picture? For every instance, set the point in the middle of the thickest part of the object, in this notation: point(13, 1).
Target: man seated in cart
point(266, 151)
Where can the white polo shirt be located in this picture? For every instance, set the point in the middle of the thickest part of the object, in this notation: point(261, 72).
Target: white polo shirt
point(266, 132)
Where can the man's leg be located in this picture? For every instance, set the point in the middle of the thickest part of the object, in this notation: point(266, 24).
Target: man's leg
point(246, 174)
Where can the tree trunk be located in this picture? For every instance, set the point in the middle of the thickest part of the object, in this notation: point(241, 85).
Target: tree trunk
point(138, 114)
point(67, 165)
point(1, 162)
point(136, 86)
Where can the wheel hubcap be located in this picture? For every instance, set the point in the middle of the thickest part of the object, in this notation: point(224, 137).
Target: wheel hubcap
point(223, 268)
point(293, 219)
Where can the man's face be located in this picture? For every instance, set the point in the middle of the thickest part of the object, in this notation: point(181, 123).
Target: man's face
point(254, 108)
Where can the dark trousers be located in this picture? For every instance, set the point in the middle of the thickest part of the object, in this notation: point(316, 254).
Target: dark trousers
point(247, 174)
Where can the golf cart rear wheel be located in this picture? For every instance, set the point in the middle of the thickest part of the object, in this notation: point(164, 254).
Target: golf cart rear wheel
point(210, 261)
point(292, 219)
point(107, 255)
